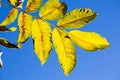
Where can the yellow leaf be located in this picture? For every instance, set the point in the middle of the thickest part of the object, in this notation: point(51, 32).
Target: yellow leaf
point(41, 34)
point(7, 44)
point(52, 10)
point(17, 3)
point(77, 18)
point(12, 29)
point(10, 18)
point(33, 5)
point(89, 41)
point(65, 50)
point(24, 24)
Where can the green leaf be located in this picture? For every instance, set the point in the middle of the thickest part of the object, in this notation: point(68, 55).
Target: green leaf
point(53, 10)
point(77, 18)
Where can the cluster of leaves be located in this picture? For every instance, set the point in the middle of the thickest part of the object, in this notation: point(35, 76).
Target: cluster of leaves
point(43, 35)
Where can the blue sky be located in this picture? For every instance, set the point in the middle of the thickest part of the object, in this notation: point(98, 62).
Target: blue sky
point(23, 64)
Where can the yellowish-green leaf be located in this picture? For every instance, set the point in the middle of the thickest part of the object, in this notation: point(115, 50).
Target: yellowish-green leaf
point(33, 5)
point(65, 50)
point(52, 10)
point(77, 18)
point(10, 18)
point(17, 3)
point(7, 44)
point(25, 25)
point(41, 34)
point(89, 41)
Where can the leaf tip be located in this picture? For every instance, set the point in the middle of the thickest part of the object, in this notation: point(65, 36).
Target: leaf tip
point(43, 62)
point(107, 45)
point(19, 45)
point(12, 29)
point(66, 73)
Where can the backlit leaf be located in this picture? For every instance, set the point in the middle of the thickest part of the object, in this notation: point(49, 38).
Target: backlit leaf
point(52, 10)
point(17, 3)
point(41, 34)
point(7, 44)
point(24, 24)
point(89, 41)
point(65, 50)
point(10, 18)
point(77, 18)
point(33, 5)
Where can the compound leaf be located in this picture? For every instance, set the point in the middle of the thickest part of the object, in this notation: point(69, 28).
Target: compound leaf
point(33, 5)
point(52, 10)
point(89, 41)
point(41, 34)
point(25, 25)
point(65, 50)
point(77, 18)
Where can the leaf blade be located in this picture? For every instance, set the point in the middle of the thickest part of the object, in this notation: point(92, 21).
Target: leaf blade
point(11, 17)
point(89, 41)
point(24, 25)
point(65, 50)
point(33, 5)
point(41, 34)
point(53, 10)
point(77, 18)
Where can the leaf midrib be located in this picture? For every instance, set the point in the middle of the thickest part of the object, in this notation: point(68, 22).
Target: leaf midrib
point(87, 41)
point(52, 10)
point(75, 20)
